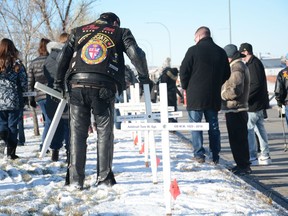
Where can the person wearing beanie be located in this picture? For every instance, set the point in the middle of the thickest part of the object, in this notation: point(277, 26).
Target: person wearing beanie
point(203, 71)
point(258, 103)
point(234, 94)
point(281, 88)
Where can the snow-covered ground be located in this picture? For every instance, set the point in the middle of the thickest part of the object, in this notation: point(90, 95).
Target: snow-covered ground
point(35, 186)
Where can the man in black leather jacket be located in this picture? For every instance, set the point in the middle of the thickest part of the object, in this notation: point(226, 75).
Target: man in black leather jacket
point(91, 67)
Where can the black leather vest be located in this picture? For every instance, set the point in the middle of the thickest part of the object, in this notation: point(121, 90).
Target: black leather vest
point(99, 49)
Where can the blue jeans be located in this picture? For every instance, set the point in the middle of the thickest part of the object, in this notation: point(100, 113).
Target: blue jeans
point(256, 125)
point(8, 125)
point(214, 133)
point(61, 134)
point(286, 113)
point(21, 134)
point(47, 122)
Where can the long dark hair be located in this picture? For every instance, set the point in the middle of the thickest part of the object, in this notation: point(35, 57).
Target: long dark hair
point(42, 50)
point(8, 55)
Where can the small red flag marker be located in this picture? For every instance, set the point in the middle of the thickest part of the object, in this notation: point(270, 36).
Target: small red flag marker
point(174, 189)
point(142, 149)
point(157, 161)
point(136, 140)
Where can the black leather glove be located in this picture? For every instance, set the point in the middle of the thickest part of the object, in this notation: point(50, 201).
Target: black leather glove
point(279, 104)
point(32, 103)
point(145, 80)
point(59, 86)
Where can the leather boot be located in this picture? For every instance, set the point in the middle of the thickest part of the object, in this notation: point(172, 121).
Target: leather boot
point(108, 181)
point(55, 155)
point(11, 153)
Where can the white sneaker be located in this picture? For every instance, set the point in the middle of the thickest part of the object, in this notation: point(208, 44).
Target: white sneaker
point(254, 162)
point(264, 160)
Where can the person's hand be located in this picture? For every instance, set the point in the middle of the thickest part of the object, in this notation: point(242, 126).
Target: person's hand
point(146, 80)
point(59, 86)
point(32, 103)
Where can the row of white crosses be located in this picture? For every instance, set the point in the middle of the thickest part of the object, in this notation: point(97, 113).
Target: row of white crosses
point(164, 127)
point(150, 126)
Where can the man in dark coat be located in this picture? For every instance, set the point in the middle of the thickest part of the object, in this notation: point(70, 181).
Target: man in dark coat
point(203, 71)
point(94, 56)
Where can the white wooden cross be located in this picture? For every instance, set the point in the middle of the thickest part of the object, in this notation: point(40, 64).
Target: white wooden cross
point(148, 116)
point(165, 127)
point(56, 117)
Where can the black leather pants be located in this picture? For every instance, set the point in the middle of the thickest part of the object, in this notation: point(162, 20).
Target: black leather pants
point(82, 101)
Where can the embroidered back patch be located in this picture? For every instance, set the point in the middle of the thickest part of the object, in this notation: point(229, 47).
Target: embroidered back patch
point(95, 50)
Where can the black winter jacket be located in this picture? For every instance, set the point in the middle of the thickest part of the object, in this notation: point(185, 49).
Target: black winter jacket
point(281, 87)
point(50, 67)
point(203, 71)
point(36, 74)
point(258, 94)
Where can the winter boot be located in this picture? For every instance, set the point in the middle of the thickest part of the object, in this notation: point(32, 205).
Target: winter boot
point(67, 157)
point(67, 178)
point(55, 155)
point(108, 181)
point(11, 153)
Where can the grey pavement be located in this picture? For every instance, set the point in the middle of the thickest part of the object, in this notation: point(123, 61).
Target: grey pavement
point(271, 180)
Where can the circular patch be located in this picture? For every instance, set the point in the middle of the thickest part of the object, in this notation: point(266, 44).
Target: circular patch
point(94, 52)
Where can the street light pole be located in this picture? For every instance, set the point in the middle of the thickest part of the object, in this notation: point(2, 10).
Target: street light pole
point(169, 36)
point(230, 30)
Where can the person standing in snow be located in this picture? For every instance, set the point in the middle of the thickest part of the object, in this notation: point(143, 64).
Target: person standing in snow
point(203, 71)
point(50, 69)
point(13, 82)
point(234, 94)
point(258, 103)
point(36, 74)
point(94, 61)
